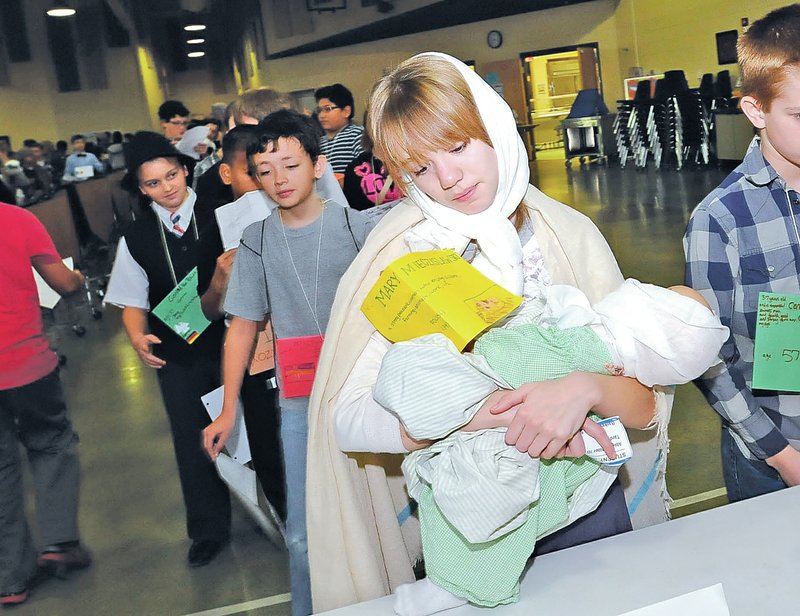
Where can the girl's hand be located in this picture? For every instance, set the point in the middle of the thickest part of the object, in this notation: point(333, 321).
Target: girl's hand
point(549, 415)
point(485, 418)
point(576, 448)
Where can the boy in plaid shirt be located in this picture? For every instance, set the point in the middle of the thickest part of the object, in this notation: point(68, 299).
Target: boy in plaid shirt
point(743, 239)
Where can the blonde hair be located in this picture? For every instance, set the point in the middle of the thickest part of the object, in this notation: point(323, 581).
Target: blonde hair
point(768, 53)
point(258, 104)
point(422, 106)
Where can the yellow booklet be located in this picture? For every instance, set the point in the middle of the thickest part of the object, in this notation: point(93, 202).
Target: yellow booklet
point(435, 292)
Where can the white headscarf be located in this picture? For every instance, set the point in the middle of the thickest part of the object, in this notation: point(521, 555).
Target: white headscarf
point(500, 256)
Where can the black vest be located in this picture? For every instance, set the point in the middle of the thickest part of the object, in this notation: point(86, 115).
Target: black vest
point(144, 243)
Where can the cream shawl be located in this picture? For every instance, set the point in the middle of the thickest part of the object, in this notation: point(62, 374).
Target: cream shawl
point(357, 548)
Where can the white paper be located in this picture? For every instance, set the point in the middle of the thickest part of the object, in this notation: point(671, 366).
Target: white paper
point(619, 438)
point(233, 218)
point(709, 601)
point(190, 139)
point(242, 482)
point(48, 298)
point(84, 172)
point(237, 445)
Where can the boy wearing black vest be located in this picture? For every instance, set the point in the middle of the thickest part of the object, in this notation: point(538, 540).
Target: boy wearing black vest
point(156, 253)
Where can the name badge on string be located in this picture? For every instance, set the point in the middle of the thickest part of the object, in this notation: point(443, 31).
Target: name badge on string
point(297, 364)
point(181, 311)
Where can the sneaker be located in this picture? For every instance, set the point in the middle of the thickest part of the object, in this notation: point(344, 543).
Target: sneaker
point(60, 559)
point(14, 598)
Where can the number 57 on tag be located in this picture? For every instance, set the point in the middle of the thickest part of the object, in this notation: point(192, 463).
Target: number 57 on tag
point(776, 356)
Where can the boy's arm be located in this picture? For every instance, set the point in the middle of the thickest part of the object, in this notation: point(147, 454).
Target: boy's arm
point(211, 282)
point(211, 300)
point(711, 260)
point(246, 300)
point(63, 280)
point(238, 347)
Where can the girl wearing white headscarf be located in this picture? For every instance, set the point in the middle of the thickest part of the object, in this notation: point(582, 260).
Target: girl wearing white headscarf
point(452, 142)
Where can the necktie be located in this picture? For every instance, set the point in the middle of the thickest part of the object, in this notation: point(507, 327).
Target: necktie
point(176, 228)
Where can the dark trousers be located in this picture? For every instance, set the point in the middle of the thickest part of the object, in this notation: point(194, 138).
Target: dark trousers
point(262, 417)
point(36, 415)
point(205, 495)
point(610, 518)
point(746, 478)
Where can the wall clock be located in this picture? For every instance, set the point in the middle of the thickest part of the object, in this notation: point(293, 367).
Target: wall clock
point(494, 39)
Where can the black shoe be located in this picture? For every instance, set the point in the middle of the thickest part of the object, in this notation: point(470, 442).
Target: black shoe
point(204, 551)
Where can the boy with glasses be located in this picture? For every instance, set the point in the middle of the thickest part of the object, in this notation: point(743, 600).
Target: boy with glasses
point(342, 140)
point(175, 120)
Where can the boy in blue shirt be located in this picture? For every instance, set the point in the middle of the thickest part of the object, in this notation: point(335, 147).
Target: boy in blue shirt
point(288, 267)
point(743, 239)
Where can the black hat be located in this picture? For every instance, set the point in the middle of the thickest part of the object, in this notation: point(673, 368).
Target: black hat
point(145, 146)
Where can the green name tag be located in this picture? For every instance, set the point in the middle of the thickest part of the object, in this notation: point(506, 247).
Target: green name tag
point(181, 310)
point(776, 356)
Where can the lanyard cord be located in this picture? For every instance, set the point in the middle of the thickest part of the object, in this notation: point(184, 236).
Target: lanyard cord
point(316, 275)
point(166, 248)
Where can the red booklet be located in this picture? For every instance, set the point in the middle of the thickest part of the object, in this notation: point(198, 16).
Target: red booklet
point(297, 364)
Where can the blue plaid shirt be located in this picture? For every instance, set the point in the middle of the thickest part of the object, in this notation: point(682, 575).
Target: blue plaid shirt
point(743, 239)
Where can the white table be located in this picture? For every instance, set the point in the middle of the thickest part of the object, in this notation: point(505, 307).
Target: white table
point(629, 571)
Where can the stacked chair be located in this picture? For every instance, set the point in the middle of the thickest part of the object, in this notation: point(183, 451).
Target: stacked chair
point(672, 128)
point(630, 127)
point(695, 128)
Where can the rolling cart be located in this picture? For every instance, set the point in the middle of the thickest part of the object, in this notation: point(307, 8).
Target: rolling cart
point(588, 139)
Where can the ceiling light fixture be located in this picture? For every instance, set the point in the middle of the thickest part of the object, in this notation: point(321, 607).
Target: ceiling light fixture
point(61, 9)
point(196, 41)
point(194, 27)
point(196, 54)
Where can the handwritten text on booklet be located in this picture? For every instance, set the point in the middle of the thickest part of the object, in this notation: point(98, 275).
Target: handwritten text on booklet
point(776, 356)
point(435, 291)
point(181, 311)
